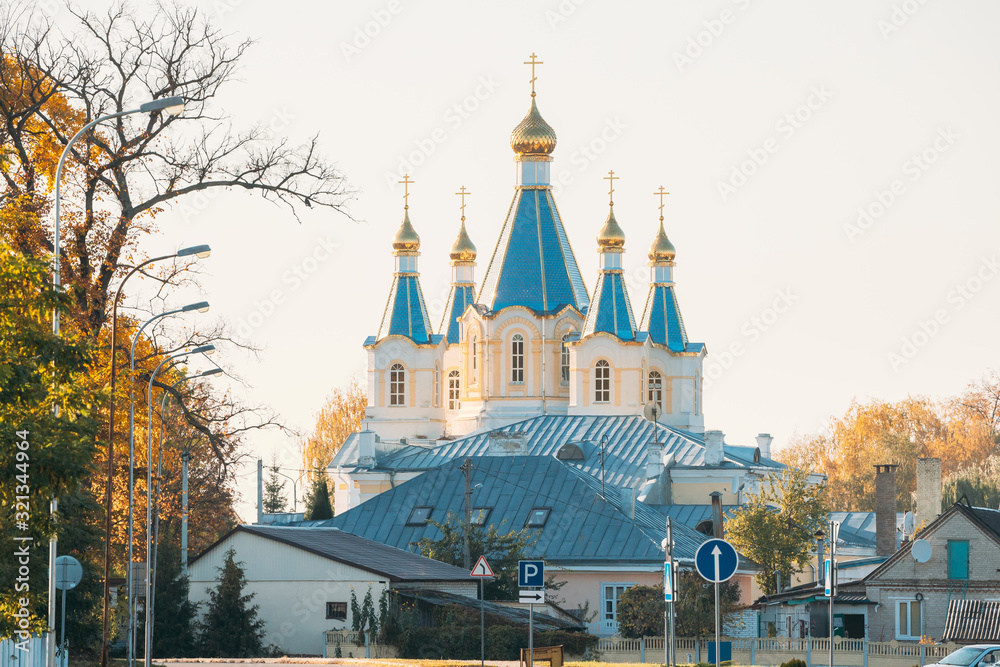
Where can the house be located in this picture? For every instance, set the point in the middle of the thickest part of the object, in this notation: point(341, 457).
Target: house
point(303, 578)
point(955, 557)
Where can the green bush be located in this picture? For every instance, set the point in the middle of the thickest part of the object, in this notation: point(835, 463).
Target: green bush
point(503, 642)
point(794, 662)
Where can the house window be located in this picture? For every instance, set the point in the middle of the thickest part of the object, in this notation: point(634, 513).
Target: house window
point(655, 388)
point(336, 611)
point(602, 384)
point(419, 515)
point(454, 384)
point(437, 385)
point(564, 361)
point(517, 359)
point(610, 592)
point(958, 559)
point(537, 517)
point(908, 624)
point(397, 382)
point(480, 515)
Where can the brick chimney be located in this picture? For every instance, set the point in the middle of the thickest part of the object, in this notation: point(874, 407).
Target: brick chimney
point(885, 509)
point(928, 489)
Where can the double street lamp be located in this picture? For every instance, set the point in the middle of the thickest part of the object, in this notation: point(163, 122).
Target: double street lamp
point(171, 106)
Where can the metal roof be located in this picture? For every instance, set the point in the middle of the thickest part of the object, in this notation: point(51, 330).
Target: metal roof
point(858, 528)
point(345, 547)
point(405, 312)
point(662, 318)
point(610, 310)
point(972, 621)
point(582, 526)
point(533, 264)
point(628, 437)
point(461, 297)
point(541, 620)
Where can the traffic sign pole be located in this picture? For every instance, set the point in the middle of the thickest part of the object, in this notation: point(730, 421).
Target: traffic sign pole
point(716, 560)
point(718, 645)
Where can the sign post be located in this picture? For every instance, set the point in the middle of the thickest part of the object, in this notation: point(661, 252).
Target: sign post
point(69, 572)
point(831, 577)
point(716, 561)
point(481, 571)
point(669, 575)
point(531, 574)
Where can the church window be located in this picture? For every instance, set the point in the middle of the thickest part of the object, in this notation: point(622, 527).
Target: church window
point(475, 359)
point(397, 382)
point(655, 388)
point(517, 359)
point(642, 389)
point(602, 384)
point(454, 384)
point(564, 360)
point(437, 385)
point(697, 395)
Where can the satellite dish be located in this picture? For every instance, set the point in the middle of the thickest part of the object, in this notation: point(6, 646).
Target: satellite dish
point(652, 411)
point(921, 551)
point(909, 523)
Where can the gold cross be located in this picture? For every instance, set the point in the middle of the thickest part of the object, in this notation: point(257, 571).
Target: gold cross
point(533, 62)
point(406, 190)
point(462, 192)
point(611, 193)
point(661, 193)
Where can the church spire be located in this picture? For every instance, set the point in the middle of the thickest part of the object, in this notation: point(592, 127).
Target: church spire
point(463, 290)
point(405, 311)
point(610, 309)
point(662, 316)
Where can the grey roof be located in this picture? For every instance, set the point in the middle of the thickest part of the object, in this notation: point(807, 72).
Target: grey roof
point(858, 528)
point(582, 526)
point(625, 451)
point(541, 620)
point(972, 621)
point(344, 547)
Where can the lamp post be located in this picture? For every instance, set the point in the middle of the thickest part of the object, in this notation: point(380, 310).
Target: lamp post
point(295, 504)
point(203, 349)
point(201, 306)
point(200, 251)
point(172, 106)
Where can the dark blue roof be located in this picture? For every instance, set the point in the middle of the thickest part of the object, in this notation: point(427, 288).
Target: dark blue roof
point(462, 296)
point(405, 312)
point(533, 264)
point(610, 311)
point(582, 526)
point(662, 318)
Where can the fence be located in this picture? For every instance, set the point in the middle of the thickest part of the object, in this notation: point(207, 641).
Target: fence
point(351, 645)
point(12, 656)
point(776, 650)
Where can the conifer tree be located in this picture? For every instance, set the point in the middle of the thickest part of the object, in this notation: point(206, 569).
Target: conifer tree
point(274, 492)
point(319, 506)
point(231, 628)
point(174, 613)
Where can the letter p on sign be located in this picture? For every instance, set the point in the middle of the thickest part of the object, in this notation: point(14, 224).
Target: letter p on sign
point(530, 573)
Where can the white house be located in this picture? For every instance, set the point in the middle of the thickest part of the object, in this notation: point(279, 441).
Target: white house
point(302, 578)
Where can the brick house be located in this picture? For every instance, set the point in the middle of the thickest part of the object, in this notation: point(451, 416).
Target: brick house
point(912, 597)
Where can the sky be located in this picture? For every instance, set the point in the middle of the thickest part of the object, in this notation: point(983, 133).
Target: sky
point(832, 169)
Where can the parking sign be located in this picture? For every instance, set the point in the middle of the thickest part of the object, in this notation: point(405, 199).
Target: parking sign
point(530, 573)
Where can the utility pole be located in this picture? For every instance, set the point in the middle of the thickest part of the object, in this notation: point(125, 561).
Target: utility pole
point(466, 469)
point(185, 458)
point(260, 491)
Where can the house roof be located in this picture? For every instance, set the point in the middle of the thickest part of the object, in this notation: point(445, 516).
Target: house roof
point(812, 592)
point(972, 621)
point(541, 620)
point(582, 526)
point(857, 529)
point(344, 547)
point(628, 437)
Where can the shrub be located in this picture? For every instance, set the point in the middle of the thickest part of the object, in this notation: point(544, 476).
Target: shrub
point(794, 662)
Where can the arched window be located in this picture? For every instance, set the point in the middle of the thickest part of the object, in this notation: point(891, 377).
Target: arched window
point(697, 395)
point(602, 382)
point(517, 359)
point(454, 384)
point(437, 385)
point(564, 361)
point(655, 388)
point(397, 385)
point(642, 387)
point(475, 359)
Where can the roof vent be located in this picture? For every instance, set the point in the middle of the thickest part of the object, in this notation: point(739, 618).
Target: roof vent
point(570, 452)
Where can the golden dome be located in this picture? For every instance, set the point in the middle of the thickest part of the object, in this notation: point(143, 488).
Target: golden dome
point(463, 250)
point(533, 136)
point(662, 249)
point(611, 235)
point(406, 238)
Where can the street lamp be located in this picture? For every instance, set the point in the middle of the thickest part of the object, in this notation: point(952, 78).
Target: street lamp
point(200, 251)
point(169, 105)
point(203, 349)
point(201, 307)
point(295, 504)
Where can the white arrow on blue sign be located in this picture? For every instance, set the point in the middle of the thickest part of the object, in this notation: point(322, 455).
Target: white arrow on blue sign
point(716, 560)
point(829, 579)
point(668, 582)
point(530, 573)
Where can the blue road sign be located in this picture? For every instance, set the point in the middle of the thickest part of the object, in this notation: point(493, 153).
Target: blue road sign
point(668, 582)
point(530, 573)
point(829, 579)
point(716, 560)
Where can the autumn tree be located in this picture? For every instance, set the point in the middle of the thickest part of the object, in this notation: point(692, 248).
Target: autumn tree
point(340, 417)
point(775, 526)
point(980, 484)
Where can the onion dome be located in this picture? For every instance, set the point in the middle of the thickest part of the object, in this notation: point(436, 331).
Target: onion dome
point(533, 136)
point(611, 235)
point(463, 250)
point(662, 249)
point(406, 238)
